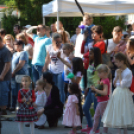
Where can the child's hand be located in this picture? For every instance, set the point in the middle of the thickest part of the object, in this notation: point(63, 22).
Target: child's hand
point(67, 72)
point(119, 71)
point(34, 104)
point(92, 88)
point(30, 99)
point(59, 54)
point(24, 99)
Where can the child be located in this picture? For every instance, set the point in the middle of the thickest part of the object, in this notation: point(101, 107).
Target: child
point(92, 79)
point(77, 70)
point(67, 51)
point(103, 97)
point(26, 112)
point(40, 103)
point(120, 109)
point(71, 116)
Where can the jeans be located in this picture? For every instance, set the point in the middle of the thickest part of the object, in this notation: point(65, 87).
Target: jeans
point(57, 79)
point(4, 90)
point(15, 89)
point(36, 72)
point(90, 98)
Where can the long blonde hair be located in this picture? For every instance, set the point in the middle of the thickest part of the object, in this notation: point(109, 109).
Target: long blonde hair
point(8, 35)
point(23, 37)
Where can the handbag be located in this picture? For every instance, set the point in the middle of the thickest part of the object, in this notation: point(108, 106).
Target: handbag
point(18, 78)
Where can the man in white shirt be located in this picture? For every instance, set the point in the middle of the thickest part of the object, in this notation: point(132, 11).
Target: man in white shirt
point(73, 38)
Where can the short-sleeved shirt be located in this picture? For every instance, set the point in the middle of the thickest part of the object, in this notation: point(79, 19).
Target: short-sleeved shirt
point(92, 76)
point(20, 56)
point(39, 53)
point(105, 97)
point(56, 66)
point(5, 57)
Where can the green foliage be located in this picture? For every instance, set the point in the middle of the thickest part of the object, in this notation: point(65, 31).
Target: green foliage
point(31, 13)
point(8, 23)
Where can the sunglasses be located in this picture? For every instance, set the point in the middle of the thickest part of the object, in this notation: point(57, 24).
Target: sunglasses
point(39, 28)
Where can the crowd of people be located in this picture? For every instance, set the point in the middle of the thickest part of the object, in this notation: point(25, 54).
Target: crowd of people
point(44, 74)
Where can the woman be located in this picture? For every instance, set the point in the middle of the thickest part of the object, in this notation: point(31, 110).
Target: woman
point(27, 47)
point(19, 67)
point(55, 64)
point(54, 107)
point(8, 41)
point(130, 57)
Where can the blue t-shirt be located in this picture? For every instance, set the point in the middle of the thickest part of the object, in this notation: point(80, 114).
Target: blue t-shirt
point(20, 56)
point(89, 38)
point(39, 54)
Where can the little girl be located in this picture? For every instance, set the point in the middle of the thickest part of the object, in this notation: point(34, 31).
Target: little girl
point(40, 103)
point(120, 109)
point(102, 96)
point(26, 112)
point(77, 71)
point(71, 116)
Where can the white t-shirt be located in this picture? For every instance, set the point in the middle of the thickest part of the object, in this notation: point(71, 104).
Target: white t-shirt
point(55, 66)
point(78, 45)
point(111, 45)
point(27, 47)
point(66, 68)
point(78, 74)
point(73, 39)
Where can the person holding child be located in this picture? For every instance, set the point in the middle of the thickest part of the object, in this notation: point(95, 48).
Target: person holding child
point(119, 112)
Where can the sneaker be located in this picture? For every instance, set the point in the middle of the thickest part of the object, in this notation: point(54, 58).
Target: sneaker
point(86, 129)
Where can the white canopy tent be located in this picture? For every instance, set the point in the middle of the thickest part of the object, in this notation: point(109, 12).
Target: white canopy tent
point(68, 8)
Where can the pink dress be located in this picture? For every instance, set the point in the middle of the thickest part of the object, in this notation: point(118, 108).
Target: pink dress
point(70, 117)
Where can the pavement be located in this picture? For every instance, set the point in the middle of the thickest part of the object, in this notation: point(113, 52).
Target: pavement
point(11, 127)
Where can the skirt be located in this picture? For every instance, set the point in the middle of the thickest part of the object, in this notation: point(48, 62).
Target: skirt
point(27, 115)
point(119, 112)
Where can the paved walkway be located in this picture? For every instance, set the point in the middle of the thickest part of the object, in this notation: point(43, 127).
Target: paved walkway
point(11, 127)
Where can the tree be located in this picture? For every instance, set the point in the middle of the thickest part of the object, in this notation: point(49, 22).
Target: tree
point(31, 13)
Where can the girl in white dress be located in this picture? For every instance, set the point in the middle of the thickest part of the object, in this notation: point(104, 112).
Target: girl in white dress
point(40, 103)
point(119, 112)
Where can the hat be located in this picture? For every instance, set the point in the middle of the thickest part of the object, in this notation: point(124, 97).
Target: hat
point(27, 26)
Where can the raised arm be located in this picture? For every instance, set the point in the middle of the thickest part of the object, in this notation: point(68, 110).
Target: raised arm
point(29, 31)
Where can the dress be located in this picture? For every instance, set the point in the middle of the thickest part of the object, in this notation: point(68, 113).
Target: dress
point(41, 99)
point(26, 112)
point(70, 117)
point(119, 112)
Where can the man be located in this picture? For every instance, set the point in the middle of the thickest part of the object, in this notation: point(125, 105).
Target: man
point(48, 32)
point(2, 33)
point(5, 76)
point(39, 52)
point(129, 29)
point(53, 29)
point(16, 29)
point(73, 38)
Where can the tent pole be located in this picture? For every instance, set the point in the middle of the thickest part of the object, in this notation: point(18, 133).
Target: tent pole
point(57, 15)
point(43, 20)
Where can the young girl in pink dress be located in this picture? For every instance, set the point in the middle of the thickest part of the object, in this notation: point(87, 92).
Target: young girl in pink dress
point(102, 95)
point(71, 116)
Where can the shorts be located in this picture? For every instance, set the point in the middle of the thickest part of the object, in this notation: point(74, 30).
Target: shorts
point(4, 89)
